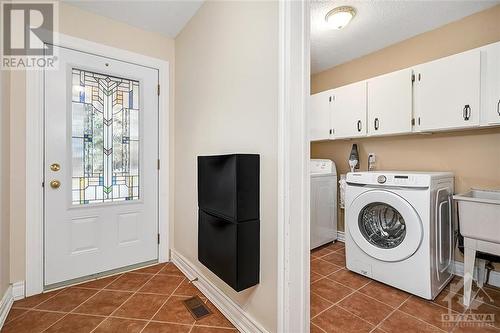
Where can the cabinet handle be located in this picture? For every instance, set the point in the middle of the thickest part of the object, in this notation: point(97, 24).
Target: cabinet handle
point(359, 125)
point(466, 112)
point(376, 123)
point(498, 107)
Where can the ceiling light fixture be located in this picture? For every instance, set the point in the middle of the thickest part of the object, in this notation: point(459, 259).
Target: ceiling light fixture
point(339, 17)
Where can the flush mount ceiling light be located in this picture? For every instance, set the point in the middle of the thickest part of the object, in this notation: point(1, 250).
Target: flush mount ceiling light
point(339, 17)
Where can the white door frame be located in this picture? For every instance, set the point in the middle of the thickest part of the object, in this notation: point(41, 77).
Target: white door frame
point(293, 167)
point(35, 155)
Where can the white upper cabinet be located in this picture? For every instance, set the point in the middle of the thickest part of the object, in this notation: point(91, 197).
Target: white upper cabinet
point(490, 85)
point(348, 111)
point(319, 119)
point(447, 92)
point(390, 103)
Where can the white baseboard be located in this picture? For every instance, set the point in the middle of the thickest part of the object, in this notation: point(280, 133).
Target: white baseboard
point(341, 236)
point(458, 269)
point(18, 290)
point(5, 305)
point(233, 312)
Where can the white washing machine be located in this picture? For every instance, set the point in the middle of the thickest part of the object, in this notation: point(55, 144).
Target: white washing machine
point(323, 202)
point(399, 229)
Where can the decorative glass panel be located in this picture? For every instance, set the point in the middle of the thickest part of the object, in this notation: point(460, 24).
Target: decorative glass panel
point(105, 135)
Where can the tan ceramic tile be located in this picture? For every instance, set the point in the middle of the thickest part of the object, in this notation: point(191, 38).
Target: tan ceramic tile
point(335, 258)
point(202, 329)
point(129, 282)
point(337, 320)
point(75, 324)
point(140, 306)
point(384, 293)
point(215, 319)
point(150, 269)
point(33, 301)
point(349, 278)
point(400, 322)
point(103, 303)
point(99, 283)
point(322, 267)
point(315, 329)
point(15, 313)
point(428, 312)
point(119, 325)
point(171, 269)
point(321, 251)
point(330, 290)
point(318, 304)
point(67, 300)
point(491, 312)
point(174, 311)
point(365, 307)
point(186, 288)
point(166, 328)
point(162, 284)
point(32, 322)
point(450, 300)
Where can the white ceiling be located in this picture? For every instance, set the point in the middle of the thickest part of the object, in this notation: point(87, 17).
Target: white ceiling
point(166, 17)
point(379, 24)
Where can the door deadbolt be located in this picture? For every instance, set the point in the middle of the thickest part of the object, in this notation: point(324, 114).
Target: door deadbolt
point(55, 167)
point(55, 184)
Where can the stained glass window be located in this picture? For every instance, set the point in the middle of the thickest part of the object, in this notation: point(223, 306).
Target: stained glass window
point(105, 138)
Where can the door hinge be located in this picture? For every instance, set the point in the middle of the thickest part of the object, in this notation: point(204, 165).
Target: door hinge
point(158, 90)
point(158, 238)
point(158, 165)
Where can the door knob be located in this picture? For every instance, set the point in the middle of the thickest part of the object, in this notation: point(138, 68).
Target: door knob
point(55, 167)
point(55, 184)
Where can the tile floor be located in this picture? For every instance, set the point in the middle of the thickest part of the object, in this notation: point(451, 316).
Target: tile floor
point(342, 301)
point(147, 300)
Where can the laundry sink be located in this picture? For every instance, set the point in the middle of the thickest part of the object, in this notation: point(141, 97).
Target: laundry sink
point(479, 214)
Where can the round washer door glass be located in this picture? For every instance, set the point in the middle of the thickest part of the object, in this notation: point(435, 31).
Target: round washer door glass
point(382, 225)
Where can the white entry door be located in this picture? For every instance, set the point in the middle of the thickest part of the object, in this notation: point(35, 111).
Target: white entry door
point(101, 174)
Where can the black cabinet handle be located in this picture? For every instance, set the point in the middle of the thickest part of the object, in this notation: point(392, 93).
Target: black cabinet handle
point(498, 107)
point(359, 125)
point(467, 112)
point(376, 123)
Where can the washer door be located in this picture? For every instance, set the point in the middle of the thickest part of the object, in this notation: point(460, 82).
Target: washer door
point(384, 225)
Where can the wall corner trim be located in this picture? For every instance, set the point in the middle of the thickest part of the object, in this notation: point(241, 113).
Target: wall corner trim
point(5, 305)
point(18, 291)
point(233, 312)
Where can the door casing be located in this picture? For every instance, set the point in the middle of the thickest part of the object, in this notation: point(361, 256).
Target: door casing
point(35, 155)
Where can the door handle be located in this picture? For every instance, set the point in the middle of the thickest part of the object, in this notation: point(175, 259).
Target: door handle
point(466, 112)
point(359, 125)
point(376, 124)
point(55, 184)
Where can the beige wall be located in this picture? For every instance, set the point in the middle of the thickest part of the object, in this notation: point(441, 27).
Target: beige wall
point(474, 156)
point(226, 102)
point(4, 180)
point(82, 24)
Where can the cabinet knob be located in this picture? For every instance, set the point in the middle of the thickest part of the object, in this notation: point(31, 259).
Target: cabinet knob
point(467, 112)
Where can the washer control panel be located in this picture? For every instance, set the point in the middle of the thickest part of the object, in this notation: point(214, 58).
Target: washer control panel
point(389, 178)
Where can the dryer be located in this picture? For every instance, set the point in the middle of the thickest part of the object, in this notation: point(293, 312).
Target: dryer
point(399, 229)
point(323, 202)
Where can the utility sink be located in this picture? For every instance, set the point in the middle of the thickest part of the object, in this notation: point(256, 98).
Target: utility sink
point(479, 214)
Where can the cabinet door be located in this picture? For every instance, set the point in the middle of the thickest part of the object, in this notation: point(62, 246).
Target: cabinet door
point(447, 92)
point(319, 120)
point(490, 85)
point(390, 103)
point(348, 111)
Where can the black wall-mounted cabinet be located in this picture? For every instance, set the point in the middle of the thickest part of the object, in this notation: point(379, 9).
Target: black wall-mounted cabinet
point(228, 217)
